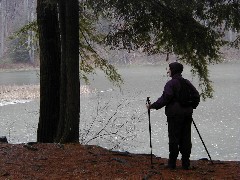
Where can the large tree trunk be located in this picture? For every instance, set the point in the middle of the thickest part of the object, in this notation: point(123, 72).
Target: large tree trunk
point(49, 42)
point(71, 128)
point(63, 92)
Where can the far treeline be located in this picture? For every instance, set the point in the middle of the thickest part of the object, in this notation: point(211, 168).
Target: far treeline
point(193, 30)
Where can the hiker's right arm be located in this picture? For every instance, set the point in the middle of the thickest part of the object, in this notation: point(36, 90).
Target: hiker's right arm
point(165, 98)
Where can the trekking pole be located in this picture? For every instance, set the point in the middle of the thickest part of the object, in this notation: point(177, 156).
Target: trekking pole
point(150, 131)
point(203, 142)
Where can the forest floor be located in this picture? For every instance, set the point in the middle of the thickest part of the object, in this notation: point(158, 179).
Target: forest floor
point(75, 161)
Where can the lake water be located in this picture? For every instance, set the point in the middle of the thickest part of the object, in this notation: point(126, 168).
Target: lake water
point(19, 77)
point(217, 119)
point(118, 119)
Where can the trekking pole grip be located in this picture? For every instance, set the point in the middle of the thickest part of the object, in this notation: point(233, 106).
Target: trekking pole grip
point(148, 101)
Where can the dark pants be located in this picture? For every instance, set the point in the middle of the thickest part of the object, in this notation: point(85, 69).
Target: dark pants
point(179, 133)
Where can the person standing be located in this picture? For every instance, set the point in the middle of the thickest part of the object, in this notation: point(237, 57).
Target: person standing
point(179, 117)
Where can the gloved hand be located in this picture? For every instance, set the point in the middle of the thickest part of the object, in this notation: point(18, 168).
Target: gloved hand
point(148, 106)
point(148, 103)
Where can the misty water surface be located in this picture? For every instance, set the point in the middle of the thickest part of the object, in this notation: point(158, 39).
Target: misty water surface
point(217, 119)
point(117, 119)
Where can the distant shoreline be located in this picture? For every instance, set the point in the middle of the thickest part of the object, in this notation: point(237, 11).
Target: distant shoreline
point(10, 67)
point(12, 94)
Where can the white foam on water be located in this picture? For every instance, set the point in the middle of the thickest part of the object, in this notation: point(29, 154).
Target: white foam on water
point(11, 102)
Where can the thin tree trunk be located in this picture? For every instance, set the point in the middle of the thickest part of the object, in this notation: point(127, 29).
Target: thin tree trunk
point(49, 42)
point(3, 26)
point(1, 29)
point(30, 17)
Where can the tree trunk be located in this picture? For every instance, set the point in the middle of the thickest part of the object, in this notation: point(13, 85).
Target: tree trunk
point(63, 92)
point(49, 42)
point(30, 42)
point(71, 130)
point(2, 27)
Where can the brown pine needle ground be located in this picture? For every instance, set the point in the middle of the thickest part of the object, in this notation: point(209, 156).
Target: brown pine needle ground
point(75, 161)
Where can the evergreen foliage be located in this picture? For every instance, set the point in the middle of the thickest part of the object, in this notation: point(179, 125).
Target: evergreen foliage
point(89, 38)
point(90, 58)
point(192, 30)
point(19, 42)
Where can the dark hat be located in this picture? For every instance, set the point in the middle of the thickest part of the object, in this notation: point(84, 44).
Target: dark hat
point(176, 68)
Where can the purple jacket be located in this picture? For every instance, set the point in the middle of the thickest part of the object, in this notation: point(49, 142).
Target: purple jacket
point(168, 98)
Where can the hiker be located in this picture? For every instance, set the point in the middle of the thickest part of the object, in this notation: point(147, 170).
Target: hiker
point(179, 118)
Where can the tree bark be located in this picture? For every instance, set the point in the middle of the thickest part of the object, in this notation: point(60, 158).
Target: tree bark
point(63, 92)
point(49, 42)
point(71, 128)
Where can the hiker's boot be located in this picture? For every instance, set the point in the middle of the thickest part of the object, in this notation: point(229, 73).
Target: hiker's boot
point(171, 164)
point(185, 163)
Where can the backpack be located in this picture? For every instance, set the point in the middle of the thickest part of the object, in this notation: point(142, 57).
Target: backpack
point(188, 96)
